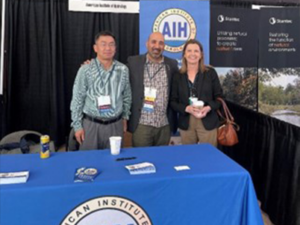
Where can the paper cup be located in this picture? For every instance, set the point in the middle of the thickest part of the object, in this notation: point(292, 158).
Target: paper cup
point(192, 100)
point(199, 104)
point(115, 145)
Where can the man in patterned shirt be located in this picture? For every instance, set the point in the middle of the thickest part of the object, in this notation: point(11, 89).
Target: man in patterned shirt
point(100, 105)
point(152, 120)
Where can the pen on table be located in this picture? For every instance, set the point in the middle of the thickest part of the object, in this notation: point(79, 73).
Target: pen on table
point(123, 159)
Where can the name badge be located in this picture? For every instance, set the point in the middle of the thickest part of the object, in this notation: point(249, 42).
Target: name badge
point(150, 96)
point(104, 103)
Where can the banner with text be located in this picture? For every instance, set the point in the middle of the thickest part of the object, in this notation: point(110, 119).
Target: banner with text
point(233, 53)
point(178, 21)
point(279, 37)
point(104, 6)
point(233, 37)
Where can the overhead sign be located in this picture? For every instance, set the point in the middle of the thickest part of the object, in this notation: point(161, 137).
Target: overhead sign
point(104, 6)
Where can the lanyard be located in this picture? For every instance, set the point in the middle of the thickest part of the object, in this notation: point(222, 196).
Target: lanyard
point(154, 74)
point(191, 86)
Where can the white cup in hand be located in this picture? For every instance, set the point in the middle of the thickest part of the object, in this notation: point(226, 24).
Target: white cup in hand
point(115, 145)
point(192, 100)
point(198, 104)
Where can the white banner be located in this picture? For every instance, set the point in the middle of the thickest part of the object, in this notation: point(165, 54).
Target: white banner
point(104, 6)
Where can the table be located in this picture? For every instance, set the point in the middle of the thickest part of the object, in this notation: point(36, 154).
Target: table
point(215, 190)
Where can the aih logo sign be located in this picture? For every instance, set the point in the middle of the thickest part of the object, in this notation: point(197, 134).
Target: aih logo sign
point(177, 27)
point(107, 210)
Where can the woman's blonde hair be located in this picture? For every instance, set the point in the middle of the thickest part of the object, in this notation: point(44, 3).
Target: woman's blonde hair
point(202, 67)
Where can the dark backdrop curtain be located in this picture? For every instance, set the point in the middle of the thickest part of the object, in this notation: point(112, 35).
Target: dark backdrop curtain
point(270, 150)
point(46, 46)
point(2, 119)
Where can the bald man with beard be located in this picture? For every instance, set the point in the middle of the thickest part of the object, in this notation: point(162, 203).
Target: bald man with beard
point(152, 120)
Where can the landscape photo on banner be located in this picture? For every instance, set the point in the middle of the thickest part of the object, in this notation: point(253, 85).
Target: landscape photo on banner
point(178, 21)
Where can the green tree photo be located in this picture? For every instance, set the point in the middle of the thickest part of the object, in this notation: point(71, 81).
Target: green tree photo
point(240, 86)
point(279, 93)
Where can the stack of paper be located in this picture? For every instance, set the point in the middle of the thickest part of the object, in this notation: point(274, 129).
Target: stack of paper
point(141, 168)
point(14, 177)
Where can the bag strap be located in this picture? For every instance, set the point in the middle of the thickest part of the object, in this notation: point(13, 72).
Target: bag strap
point(10, 146)
point(228, 116)
point(22, 145)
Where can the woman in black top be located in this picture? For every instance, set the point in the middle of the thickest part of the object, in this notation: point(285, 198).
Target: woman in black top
point(195, 80)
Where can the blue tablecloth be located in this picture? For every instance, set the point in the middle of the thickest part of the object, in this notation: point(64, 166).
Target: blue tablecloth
point(215, 191)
